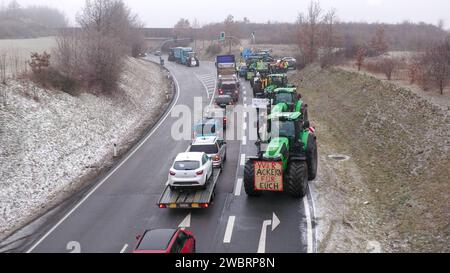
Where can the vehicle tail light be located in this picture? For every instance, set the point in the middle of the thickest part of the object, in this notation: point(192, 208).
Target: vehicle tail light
point(205, 206)
point(231, 103)
point(221, 91)
point(200, 173)
point(172, 173)
point(217, 158)
point(162, 206)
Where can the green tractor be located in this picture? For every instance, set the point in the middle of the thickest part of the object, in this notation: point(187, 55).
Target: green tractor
point(287, 99)
point(267, 83)
point(288, 161)
point(277, 81)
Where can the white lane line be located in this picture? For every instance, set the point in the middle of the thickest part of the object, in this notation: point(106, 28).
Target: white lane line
point(229, 230)
point(243, 158)
point(204, 85)
point(313, 213)
point(309, 233)
point(244, 141)
point(214, 93)
point(124, 248)
point(262, 239)
point(245, 99)
point(111, 173)
point(186, 223)
point(238, 187)
point(245, 126)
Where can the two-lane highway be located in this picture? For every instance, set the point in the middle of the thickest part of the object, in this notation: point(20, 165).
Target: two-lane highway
point(122, 204)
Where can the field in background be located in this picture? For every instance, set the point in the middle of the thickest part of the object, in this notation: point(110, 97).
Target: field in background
point(17, 52)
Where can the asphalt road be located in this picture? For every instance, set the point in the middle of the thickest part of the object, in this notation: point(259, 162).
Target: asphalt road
point(109, 215)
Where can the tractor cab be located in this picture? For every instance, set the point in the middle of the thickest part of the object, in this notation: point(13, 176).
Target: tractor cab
point(287, 100)
point(192, 59)
point(289, 126)
point(277, 80)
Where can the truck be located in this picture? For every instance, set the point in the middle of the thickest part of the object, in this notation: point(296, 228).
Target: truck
point(190, 199)
point(184, 55)
point(226, 65)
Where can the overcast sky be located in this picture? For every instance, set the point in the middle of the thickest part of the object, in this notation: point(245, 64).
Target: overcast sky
point(165, 13)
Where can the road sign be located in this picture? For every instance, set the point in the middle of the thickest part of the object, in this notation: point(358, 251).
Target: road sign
point(260, 103)
point(269, 176)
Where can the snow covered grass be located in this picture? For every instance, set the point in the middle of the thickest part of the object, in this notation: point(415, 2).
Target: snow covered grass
point(18, 51)
point(50, 140)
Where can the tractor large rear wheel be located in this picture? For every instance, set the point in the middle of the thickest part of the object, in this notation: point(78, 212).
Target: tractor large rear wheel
point(249, 179)
point(312, 157)
point(297, 179)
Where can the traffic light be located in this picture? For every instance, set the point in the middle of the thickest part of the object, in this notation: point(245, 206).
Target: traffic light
point(222, 36)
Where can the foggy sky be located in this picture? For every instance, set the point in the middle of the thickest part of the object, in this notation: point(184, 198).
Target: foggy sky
point(165, 13)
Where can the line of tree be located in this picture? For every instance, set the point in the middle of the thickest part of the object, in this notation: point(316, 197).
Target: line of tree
point(402, 36)
point(27, 22)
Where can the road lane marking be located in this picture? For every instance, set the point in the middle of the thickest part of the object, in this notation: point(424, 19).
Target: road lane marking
point(262, 238)
point(186, 223)
point(238, 187)
point(244, 141)
point(203, 83)
point(243, 158)
point(112, 172)
point(229, 230)
point(124, 248)
point(245, 126)
point(309, 233)
point(275, 223)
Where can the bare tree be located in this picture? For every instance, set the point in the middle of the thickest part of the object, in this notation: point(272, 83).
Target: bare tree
point(95, 55)
point(436, 62)
point(328, 31)
point(309, 31)
point(388, 66)
point(378, 43)
point(182, 28)
point(3, 66)
point(360, 56)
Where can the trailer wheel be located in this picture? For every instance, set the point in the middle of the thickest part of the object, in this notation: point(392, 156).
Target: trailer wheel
point(297, 179)
point(249, 179)
point(312, 157)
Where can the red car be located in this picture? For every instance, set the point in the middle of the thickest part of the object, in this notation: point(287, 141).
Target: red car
point(165, 241)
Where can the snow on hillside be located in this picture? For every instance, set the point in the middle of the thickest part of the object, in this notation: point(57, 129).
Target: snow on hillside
point(50, 139)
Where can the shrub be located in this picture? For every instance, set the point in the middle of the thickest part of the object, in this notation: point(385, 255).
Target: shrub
point(213, 49)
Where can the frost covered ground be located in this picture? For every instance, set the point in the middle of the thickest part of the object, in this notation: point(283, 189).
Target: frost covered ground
point(50, 141)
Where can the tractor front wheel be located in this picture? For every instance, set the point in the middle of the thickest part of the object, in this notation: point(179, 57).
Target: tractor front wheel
point(297, 179)
point(312, 157)
point(249, 179)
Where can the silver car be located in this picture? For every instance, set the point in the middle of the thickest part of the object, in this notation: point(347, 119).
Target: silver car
point(214, 147)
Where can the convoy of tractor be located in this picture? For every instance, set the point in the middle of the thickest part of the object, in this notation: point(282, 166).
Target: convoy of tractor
point(287, 156)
